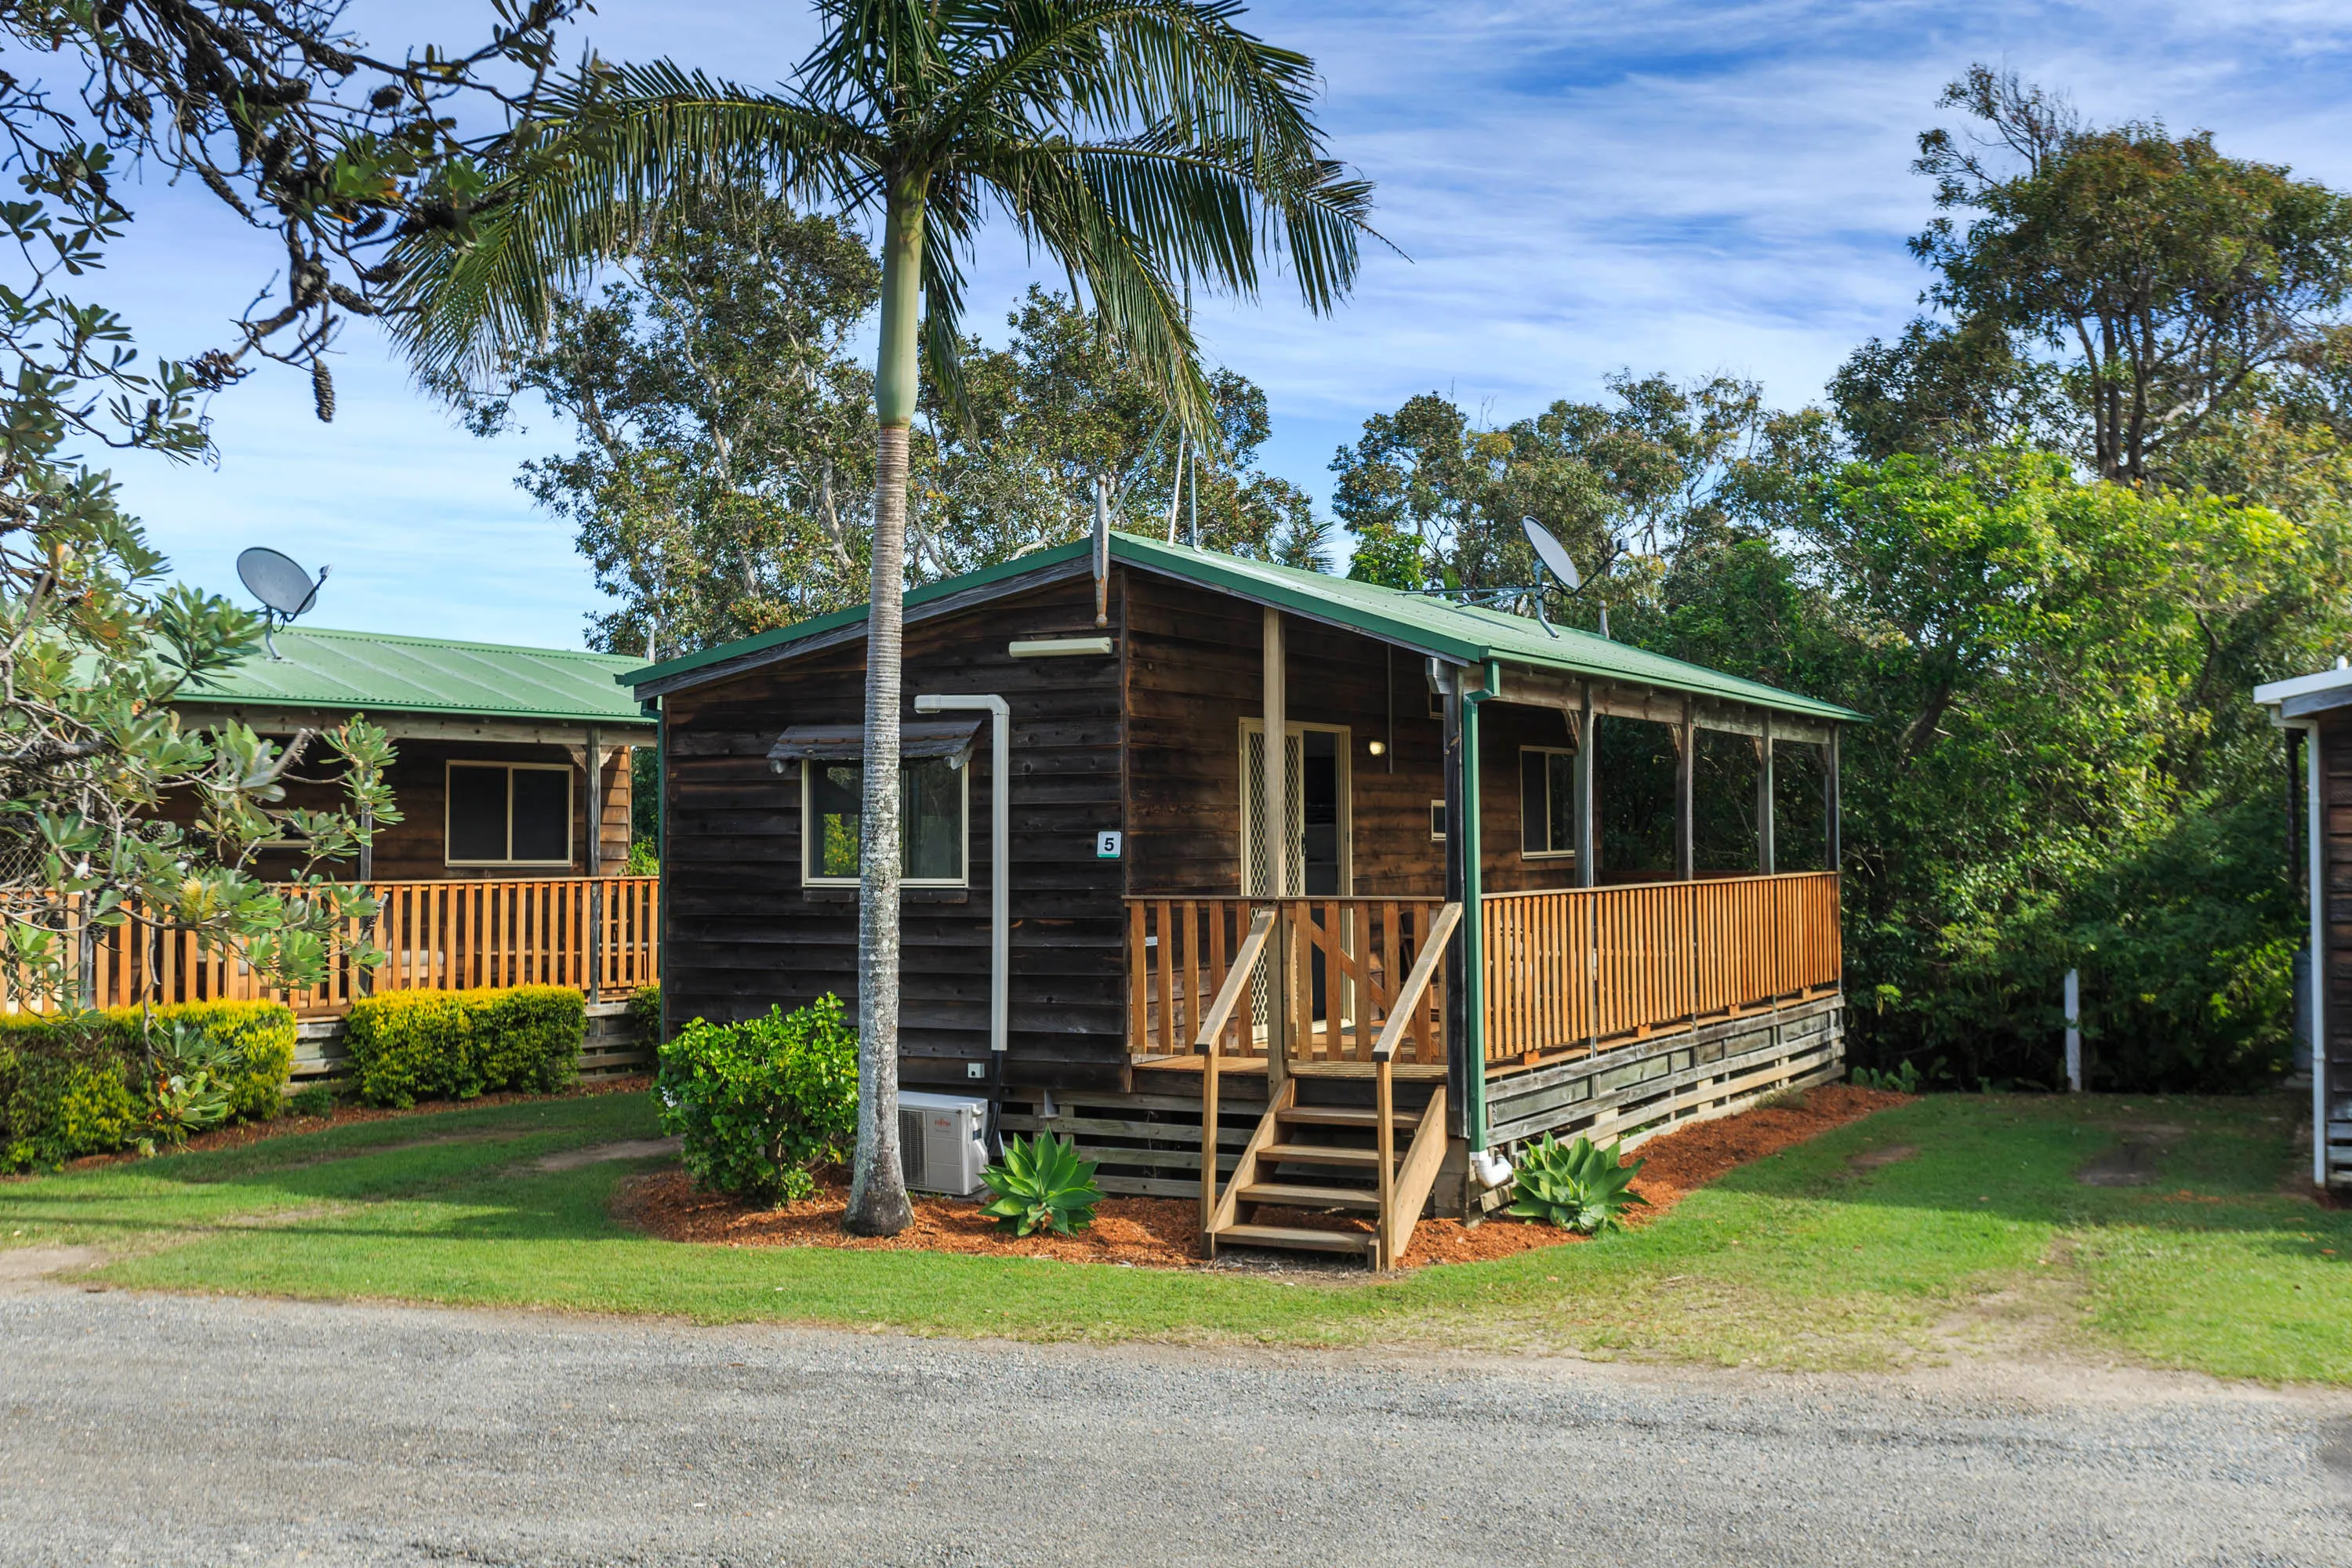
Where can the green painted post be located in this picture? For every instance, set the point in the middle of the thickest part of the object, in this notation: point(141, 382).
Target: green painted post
point(661, 858)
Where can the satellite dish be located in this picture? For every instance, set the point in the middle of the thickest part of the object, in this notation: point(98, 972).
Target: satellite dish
point(284, 588)
point(1552, 553)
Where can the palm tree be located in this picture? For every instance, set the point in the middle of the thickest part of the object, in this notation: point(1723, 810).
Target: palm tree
point(1145, 145)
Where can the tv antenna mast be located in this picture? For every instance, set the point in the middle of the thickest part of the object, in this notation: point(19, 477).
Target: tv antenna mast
point(1552, 561)
point(285, 589)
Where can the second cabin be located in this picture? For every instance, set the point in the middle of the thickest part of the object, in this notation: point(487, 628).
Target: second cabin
point(1489, 879)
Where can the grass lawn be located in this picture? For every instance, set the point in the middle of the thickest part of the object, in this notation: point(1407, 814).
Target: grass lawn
point(1810, 1258)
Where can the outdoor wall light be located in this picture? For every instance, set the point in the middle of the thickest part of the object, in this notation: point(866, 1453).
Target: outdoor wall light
point(1377, 748)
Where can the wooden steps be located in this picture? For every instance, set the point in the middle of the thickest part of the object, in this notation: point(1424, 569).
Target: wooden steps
point(1361, 1162)
point(1346, 1116)
point(1296, 1196)
point(1278, 1170)
point(1321, 1154)
point(1298, 1238)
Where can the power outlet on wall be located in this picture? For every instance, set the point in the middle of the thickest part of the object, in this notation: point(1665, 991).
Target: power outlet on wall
point(975, 1070)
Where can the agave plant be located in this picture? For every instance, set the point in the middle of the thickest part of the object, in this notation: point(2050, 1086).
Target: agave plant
point(1042, 1182)
point(1575, 1185)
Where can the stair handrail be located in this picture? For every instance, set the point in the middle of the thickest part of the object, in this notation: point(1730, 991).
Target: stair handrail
point(1416, 982)
point(1213, 1028)
point(1407, 1002)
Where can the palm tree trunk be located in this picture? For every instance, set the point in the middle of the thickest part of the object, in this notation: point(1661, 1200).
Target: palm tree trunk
point(877, 1190)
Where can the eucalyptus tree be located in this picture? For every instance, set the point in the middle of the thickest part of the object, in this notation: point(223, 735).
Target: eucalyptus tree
point(721, 425)
point(2164, 281)
point(1146, 146)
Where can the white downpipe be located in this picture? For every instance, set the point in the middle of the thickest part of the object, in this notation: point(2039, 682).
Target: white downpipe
point(999, 848)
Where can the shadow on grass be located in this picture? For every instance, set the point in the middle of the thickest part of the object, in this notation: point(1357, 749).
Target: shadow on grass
point(470, 1163)
point(2217, 1167)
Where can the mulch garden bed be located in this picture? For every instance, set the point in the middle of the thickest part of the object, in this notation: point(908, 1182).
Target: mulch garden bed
point(1164, 1233)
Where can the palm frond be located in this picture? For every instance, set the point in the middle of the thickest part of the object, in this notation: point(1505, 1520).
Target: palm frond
point(1118, 269)
point(1148, 147)
point(621, 146)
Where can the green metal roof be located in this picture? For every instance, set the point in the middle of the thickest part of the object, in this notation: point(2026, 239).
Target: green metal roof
point(374, 672)
point(1459, 633)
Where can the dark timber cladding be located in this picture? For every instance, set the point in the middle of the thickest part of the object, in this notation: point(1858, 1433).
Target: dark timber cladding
point(2335, 780)
point(743, 932)
point(1193, 676)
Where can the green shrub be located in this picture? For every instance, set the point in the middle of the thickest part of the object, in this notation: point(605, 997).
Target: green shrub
point(762, 1105)
point(64, 1092)
point(87, 1085)
point(645, 1016)
point(1042, 1182)
point(408, 1046)
point(260, 1033)
point(528, 1038)
point(1577, 1185)
point(1904, 1080)
point(312, 1099)
point(196, 1082)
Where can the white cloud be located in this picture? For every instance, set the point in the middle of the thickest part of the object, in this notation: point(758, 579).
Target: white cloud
point(1689, 187)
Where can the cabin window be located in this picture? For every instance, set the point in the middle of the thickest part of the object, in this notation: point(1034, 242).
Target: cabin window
point(1437, 819)
point(508, 814)
point(1547, 802)
point(932, 802)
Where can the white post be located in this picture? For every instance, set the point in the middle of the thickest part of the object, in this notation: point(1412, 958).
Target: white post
point(1274, 700)
point(2073, 1031)
point(1176, 493)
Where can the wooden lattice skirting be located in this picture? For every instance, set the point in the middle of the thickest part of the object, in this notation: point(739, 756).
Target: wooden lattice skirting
point(1149, 1142)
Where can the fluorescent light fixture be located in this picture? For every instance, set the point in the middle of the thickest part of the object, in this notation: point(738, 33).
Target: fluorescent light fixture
point(1059, 647)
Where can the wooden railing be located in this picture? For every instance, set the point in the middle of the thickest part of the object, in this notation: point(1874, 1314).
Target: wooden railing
point(1329, 977)
point(1401, 1192)
point(1567, 970)
point(601, 935)
point(1208, 1037)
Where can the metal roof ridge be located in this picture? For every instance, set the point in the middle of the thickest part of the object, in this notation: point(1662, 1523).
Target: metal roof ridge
point(1019, 565)
point(1312, 593)
point(1302, 581)
point(411, 640)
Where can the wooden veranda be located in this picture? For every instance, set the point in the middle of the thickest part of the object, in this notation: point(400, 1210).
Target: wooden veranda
point(597, 935)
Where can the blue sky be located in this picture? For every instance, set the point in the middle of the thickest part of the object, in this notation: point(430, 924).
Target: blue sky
point(1685, 187)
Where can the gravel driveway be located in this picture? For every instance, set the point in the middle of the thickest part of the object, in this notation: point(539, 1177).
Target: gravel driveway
point(147, 1429)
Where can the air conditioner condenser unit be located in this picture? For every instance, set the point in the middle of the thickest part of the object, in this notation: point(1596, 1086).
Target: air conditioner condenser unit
point(942, 1143)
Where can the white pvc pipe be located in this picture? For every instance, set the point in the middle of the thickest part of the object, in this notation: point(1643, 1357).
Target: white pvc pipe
point(999, 848)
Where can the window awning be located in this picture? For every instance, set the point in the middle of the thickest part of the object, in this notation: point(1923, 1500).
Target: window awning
point(918, 737)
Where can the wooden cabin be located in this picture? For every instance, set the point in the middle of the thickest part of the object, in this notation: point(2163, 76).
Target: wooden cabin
point(2315, 713)
point(512, 780)
point(1519, 879)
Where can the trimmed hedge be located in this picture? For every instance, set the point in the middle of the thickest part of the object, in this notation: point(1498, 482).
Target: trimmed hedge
point(75, 1087)
point(408, 1046)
